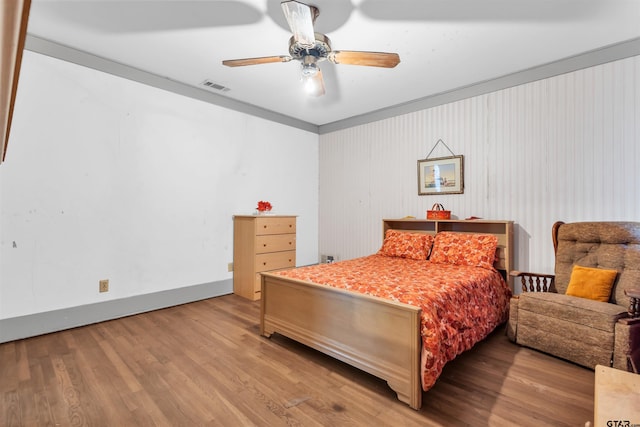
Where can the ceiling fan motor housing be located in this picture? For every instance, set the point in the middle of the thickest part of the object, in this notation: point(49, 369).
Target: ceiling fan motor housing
point(320, 49)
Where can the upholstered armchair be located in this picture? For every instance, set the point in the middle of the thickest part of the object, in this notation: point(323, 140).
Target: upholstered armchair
point(588, 312)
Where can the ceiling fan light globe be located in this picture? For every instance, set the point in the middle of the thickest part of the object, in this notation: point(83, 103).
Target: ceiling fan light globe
point(312, 86)
point(309, 70)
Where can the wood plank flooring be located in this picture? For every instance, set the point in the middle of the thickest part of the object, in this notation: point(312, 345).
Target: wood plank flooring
point(204, 364)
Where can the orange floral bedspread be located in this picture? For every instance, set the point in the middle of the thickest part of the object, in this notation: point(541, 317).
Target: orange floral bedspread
point(460, 305)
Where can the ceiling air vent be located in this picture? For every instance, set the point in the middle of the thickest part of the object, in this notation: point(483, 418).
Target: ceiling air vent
point(215, 86)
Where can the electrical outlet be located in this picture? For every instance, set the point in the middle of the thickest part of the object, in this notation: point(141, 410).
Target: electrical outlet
point(104, 285)
point(230, 266)
point(327, 259)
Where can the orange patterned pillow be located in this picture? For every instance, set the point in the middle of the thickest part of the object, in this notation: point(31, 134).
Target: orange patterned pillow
point(475, 250)
point(406, 245)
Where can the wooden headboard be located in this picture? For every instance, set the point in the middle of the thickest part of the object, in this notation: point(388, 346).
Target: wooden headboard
point(503, 230)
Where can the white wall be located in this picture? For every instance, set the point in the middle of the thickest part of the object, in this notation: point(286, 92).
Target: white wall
point(106, 178)
point(564, 148)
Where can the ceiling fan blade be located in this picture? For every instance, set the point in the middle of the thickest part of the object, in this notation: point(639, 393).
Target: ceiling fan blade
point(371, 59)
point(255, 61)
point(300, 18)
point(314, 85)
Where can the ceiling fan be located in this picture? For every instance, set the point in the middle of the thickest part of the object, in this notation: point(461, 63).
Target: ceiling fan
point(310, 48)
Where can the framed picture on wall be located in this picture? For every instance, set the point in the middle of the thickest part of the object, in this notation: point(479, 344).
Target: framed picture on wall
point(442, 175)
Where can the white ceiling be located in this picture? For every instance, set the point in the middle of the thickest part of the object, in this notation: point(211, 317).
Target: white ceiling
point(443, 45)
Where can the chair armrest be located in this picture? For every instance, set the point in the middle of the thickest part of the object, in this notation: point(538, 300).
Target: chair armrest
point(634, 302)
point(535, 282)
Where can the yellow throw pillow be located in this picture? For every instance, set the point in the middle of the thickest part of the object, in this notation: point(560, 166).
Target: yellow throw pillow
point(591, 283)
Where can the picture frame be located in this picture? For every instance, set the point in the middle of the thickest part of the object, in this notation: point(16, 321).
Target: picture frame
point(442, 175)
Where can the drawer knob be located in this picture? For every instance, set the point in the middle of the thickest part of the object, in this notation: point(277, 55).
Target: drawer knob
point(264, 245)
point(264, 263)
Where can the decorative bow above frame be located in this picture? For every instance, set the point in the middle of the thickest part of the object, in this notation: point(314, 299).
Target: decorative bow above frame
point(441, 175)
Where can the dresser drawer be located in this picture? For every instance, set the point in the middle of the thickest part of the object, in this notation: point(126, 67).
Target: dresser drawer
point(275, 225)
point(275, 261)
point(275, 243)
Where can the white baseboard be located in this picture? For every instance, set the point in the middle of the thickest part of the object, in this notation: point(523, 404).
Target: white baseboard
point(57, 320)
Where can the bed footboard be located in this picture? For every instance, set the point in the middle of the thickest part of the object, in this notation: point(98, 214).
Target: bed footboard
point(378, 336)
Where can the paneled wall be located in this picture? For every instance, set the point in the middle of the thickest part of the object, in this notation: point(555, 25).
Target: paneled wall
point(564, 148)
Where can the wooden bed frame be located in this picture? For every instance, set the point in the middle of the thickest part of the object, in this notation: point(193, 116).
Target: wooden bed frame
point(378, 336)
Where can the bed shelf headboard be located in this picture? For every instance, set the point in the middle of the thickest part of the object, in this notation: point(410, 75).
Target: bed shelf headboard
point(503, 230)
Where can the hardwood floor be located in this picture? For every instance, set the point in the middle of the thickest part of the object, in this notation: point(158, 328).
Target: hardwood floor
point(204, 364)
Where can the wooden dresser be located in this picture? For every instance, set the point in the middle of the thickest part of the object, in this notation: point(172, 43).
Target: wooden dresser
point(261, 243)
